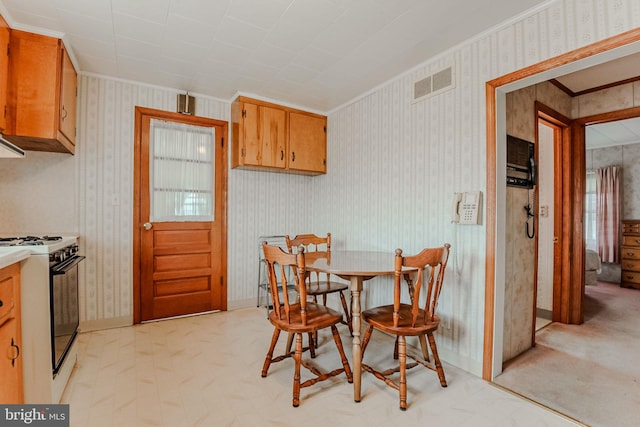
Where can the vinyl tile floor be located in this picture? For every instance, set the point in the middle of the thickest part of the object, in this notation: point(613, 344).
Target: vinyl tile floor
point(205, 371)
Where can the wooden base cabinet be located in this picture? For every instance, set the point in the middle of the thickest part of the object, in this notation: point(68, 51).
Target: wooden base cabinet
point(275, 138)
point(11, 386)
point(630, 253)
point(42, 94)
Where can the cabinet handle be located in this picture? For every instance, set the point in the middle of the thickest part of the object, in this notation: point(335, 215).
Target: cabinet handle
point(637, 240)
point(629, 253)
point(17, 352)
point(293, 156)
point(281, 155)
point(64, 113)
point(1, 303)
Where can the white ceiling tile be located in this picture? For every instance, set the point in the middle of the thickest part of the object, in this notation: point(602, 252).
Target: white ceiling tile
point(210, 11)
point(298, 74)
point(137, 48)
point(271, 55)
point(96, 9)
point(49, 22)
point(149, 10)
point(189, 31)
point(263, 14)
point(219, 51)
point(315, 59)
point(239, 33)
point(98, 64)
point(87, 26)
point(131, 27)
point(293, 36)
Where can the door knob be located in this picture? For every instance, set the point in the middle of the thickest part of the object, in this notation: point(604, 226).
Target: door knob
point(555, 239)
point(147, 226)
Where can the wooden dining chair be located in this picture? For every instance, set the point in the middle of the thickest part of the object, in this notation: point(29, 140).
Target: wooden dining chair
point(423, 272)
point(321, 284)
point(298, 317)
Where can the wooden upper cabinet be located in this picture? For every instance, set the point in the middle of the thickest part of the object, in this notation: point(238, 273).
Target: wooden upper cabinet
point(41, 105)
point(307, 142)
point(4, 71)
point(272, 137)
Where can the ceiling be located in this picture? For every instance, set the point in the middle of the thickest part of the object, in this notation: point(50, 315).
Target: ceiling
point(313, 54)
point(609, 134)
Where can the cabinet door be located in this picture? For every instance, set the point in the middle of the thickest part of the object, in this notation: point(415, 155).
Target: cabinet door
point(68, 98)
point(307, 143)
point(263, 136)
point(11, 391)
point(273, 137)
point(4, 71)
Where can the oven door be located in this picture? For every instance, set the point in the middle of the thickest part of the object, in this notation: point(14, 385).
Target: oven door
point(65, 313)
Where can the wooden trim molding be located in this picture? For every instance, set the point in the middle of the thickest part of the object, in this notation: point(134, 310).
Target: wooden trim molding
point(491, 116)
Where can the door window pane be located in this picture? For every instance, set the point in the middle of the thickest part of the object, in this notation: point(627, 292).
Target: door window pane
point(181, 169)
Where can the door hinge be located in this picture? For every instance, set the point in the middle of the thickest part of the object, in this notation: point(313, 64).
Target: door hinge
point(222, 141)
point(325, 129)
point(221, 281)
point(244, 113)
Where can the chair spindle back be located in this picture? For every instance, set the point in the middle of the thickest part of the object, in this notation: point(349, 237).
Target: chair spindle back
point(278, 262)
point(430, 264)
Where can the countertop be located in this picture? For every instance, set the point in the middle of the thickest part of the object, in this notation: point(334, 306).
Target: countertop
point(12, 255)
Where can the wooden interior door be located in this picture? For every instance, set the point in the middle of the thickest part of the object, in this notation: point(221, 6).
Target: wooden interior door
point(180, 266)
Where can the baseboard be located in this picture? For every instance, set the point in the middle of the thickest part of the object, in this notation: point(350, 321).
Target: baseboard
point(114, 322)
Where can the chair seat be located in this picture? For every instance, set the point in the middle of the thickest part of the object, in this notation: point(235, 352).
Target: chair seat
point(325, 287)
point(382, 318)
point(318, 317)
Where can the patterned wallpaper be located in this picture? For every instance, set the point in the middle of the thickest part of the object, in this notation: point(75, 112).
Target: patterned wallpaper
point(392, 168)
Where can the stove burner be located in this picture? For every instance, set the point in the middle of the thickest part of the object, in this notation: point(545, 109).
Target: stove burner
point(28, 240)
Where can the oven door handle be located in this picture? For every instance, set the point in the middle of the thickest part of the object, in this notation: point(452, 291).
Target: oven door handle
point(67, 265)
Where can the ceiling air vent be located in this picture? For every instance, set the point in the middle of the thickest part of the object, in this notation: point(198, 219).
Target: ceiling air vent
point(434, 84)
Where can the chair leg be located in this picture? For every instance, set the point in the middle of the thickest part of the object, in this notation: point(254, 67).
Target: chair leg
point(267, 360)
point(347, 313)
point(296, 373)
point(423, 345)
point(402, 358)
point(343, 357)
point(365, 341)
point(312, 344)
point(436, 359)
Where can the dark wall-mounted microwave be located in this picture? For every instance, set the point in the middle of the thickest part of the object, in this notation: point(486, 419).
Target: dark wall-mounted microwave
point(521, 165)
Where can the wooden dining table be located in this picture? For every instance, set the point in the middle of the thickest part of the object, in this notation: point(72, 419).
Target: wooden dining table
point(356, 267)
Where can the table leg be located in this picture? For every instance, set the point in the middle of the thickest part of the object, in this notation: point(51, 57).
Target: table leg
point(356, 287)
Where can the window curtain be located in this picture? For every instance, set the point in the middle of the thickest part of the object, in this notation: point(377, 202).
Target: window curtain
point(181, 172)
point(608, 205)
point(590, 222)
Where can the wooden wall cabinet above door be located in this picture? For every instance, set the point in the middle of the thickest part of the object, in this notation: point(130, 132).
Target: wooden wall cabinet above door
point(41, 105)
point(275, 138)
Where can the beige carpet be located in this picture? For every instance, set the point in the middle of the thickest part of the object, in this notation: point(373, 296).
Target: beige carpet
point(590, 372)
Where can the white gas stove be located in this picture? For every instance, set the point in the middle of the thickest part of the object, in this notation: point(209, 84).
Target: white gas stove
point(50, 312)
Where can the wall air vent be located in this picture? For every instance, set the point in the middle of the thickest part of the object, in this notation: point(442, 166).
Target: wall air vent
point(434, 84)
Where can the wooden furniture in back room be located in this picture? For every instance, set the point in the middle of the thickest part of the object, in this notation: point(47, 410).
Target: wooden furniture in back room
point(630, 254)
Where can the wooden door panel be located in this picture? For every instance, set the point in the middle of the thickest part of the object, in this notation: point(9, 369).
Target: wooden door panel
point(182, 286)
